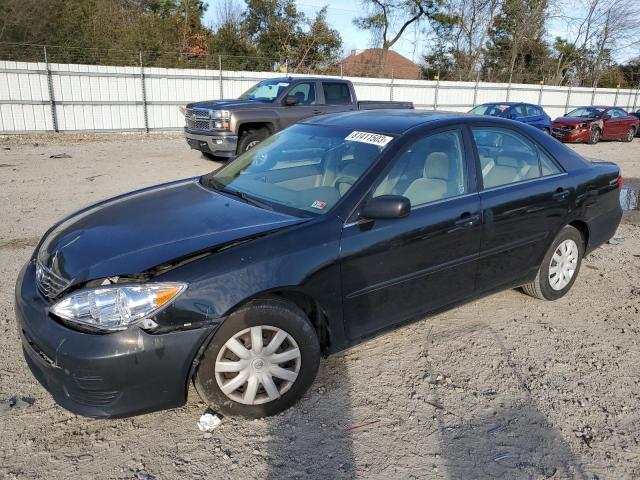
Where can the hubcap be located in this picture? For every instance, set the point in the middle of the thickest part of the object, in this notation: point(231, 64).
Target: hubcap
point(250, 145)
point(258, 365)
point(563, 264)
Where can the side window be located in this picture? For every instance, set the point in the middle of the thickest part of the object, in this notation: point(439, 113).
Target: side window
point(306, 92)
point(336, 93)
point(431, 169)
point(621, 113)
point(519, 110)
point(533, 111)
point(508, 158)
point(547, 166)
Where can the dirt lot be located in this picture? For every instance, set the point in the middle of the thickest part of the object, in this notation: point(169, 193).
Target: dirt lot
point(504, 387)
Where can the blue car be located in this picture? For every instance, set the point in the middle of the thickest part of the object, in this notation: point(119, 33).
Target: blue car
point(532, 115)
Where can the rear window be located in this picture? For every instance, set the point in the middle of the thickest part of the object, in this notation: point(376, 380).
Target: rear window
point(336, 93)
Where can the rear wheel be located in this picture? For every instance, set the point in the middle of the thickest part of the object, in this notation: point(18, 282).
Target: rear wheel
point(559, 267)
point(630, 134)
point(594, 136)
point(260, 361)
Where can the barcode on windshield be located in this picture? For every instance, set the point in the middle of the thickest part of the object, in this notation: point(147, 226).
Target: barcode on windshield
point(371, 138)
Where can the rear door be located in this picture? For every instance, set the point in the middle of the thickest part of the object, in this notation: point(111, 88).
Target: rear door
point(535, 117)
point(337, 97)
point(525, 199)
point(397, 269)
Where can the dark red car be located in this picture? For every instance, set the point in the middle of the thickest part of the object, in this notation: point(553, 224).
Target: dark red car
point(591, 124)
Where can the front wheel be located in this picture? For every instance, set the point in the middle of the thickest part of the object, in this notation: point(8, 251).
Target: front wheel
point(250, 139)
point(630, 134)
point(594, 136)
point(560, 266)
point(260, 361)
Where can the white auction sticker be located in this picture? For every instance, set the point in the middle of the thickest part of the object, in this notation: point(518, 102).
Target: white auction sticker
point(371, 138)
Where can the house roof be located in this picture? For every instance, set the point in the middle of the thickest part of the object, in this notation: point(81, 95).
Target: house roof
point(367, 63)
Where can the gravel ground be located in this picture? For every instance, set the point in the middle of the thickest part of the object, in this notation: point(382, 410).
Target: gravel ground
point(504, 387)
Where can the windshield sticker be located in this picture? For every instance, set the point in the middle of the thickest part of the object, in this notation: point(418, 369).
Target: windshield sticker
point(319, 204)
point(370, 138)
point(283, 84)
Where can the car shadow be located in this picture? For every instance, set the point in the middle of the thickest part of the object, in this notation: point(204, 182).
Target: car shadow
point(512, 440)
point(312, 439)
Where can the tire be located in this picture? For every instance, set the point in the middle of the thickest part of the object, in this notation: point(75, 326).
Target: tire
point(630, 134)
point(212, 157)
point(594, 136)
point(250, 139)
point(268, 317)
point(542, 286)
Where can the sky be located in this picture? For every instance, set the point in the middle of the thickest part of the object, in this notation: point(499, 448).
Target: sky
point(341, 13)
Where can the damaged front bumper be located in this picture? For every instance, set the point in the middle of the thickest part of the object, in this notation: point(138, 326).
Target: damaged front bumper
point(104, 375)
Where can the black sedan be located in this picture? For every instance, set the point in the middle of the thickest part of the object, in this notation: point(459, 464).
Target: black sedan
point(328, 232)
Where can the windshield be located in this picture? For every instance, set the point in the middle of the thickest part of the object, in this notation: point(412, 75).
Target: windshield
point(586, 112)
point(305, 168)
point(493, 109)
point(265, 91)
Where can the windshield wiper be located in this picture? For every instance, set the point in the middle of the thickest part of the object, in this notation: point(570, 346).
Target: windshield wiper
point(243, 196)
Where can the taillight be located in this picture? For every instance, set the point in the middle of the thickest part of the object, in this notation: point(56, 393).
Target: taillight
point(619, 183)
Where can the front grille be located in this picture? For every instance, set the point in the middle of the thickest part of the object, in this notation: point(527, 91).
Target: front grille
point(49, 284)
point(561, 130)
point(197, 119)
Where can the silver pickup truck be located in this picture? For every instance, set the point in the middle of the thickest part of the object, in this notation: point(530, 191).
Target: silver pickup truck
point(222, 129)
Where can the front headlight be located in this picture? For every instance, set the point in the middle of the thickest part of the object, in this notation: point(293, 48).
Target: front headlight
point(221, 119)
point(115, 307)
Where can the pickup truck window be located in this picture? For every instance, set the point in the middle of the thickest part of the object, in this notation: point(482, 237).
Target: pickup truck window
point(265, 91)
point(304, 169)
point(305, 92)
point(336, 93)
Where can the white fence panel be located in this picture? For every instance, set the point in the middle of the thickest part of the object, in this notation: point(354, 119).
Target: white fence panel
point(113, 98)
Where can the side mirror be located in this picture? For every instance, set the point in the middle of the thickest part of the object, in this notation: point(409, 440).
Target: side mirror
point(606, 117)
point(291, 100)
point(387, 206)
point(513, 116)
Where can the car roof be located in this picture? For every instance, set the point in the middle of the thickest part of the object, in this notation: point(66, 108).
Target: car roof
point(502, 103)
point(393, 122)
point(298, 79)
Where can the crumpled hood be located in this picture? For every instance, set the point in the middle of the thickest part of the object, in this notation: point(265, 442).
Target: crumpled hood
point(225, 104)
point(572, 120)
point(134, 232)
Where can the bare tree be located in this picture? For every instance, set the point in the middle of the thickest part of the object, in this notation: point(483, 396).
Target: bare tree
point(389, 19)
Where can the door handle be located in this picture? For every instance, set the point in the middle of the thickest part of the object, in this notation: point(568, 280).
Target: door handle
point(467, 220)
point(561, 194)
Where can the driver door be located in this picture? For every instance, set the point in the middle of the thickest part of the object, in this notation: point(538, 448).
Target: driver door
point(397, 269)
point(306, 106)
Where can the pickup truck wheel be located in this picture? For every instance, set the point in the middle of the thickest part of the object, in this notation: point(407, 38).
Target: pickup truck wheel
point(260, 361)
point(560, 266)
point(251, 138)
point(630, 134)
point(594, 136)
